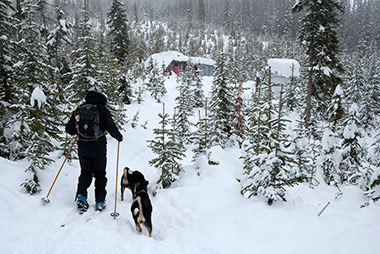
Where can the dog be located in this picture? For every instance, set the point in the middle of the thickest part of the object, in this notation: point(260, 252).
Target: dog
point(129, 179)
point(142, 207)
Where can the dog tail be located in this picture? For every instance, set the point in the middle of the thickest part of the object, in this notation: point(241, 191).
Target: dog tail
point(139, 211)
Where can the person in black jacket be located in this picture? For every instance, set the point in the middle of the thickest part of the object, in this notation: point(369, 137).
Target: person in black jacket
point(93, 153)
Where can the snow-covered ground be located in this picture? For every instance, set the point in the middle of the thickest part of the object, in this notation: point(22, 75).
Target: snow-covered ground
point(200, 214)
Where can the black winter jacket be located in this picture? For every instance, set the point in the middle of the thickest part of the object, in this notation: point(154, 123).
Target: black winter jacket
point(106, 123)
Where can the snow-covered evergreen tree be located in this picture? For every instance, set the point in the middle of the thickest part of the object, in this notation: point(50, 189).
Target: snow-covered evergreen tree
point(124, 87)
point(330, 157)
point(371, 91)
point(353, 154)
point(34, 126)
point(7, 85)
point(221, 103)
point(201, 137)
point(198, 90)
point(319, 37)
point(58, 43)
point(41, 142)
point(169, 152)
point(119, 31)
point(238, 116)
point(84, 66)
point(306, 150)
point(268, 161)
point(256, 150)
point(329, 160)
point(57, 39)
point(156, 82)
point(373, 171)
point(335, 111)
point(184, 104)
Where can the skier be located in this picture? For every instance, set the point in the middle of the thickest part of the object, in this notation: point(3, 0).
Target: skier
point(92, 150)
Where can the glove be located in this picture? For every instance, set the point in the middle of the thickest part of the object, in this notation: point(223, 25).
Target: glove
point(120, 138)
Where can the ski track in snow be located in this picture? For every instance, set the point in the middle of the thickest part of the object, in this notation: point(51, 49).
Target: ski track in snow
point(200, 214)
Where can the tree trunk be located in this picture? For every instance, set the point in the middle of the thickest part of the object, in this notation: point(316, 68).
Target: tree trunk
point(309, 91)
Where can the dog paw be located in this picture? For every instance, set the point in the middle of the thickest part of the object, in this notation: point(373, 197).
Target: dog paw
point(138, 228)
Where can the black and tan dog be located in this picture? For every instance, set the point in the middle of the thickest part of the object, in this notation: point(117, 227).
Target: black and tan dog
point(141, 206)
point(129, 180)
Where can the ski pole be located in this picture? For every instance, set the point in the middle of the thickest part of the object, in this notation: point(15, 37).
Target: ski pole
point(46, 199)
point(116, 214)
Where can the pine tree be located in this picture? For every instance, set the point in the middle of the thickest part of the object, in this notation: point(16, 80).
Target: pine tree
point(201, 137)
point(318, 35)
point(373, 172)
point(202, 14)
point(156, 83)
point(198, 91)
point(37, 125)
point(41, 143)
point(184, 104)
point(56, 40)
point(351, 166)
point(268, 161)
point(306, 149)
point(238, 116)
point(58, 45)
point(7, 86)
point(221, 103)
point(140, 92)
point(169, 152)
point(371, 90)
point(111, 79)
point(84, 68)
point(124, 87)
point(327, 163)
point(117, 21)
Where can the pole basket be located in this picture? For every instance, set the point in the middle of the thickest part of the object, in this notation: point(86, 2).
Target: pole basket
point(115, 215)
point(45, 201)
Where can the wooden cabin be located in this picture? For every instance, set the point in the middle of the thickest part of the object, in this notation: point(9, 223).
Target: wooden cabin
point(176, 62)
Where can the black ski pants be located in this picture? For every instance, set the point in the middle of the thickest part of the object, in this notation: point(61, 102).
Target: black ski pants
point(93, 161)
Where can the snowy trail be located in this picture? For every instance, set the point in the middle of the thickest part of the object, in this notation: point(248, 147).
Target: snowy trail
point(203, 214)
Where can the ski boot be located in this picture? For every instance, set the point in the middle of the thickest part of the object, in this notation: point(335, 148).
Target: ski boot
point(82, 204)
point(100, 206)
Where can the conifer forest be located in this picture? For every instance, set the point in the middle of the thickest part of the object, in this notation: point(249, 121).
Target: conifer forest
point(326, 128)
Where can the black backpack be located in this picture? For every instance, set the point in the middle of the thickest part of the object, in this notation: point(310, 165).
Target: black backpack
point(87, 122)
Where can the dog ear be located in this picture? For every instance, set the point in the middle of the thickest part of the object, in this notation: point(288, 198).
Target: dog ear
point(125, 171)
point(145, 183)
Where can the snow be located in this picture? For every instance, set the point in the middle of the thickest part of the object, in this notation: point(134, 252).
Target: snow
point(201, 214)
point(37, 96)
point(284, 67)
point(165, 58)
point(338, 91)
point(349, 131)
point(354, 109)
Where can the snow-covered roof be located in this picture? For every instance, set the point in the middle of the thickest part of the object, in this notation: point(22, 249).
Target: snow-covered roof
point(165, 58)
point(284, 67)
